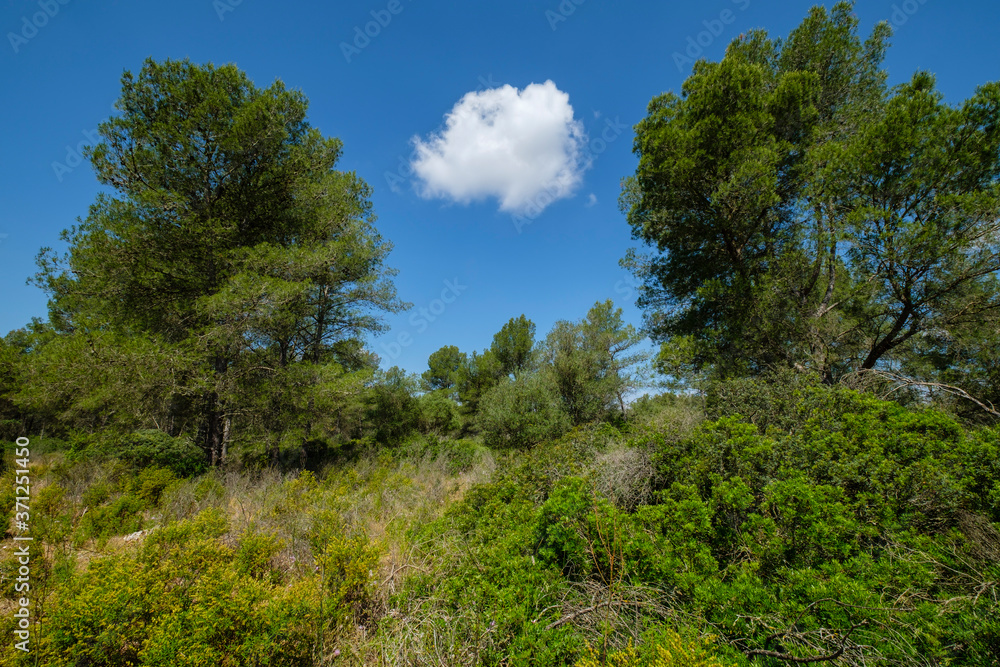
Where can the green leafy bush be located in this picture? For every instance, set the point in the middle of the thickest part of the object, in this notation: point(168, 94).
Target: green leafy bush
point(521, 413)
point(349, 567)
point(120, 516)
point(151, 483)
point(156, 448)
point(185, 599)
point(660, 648)
point(255, 553)
point(439, 413)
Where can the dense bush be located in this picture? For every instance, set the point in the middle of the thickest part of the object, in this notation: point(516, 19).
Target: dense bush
point(156, 448)
point(837, 523)
point(439, 413)
point(521, 413)
point(661, 648)
point(392, 412)
point(843, 523)
point(186, 598)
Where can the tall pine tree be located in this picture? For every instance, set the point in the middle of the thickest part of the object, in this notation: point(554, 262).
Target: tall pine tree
point(231, 246)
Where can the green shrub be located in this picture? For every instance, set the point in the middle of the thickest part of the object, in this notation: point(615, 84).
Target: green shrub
point(150, 484)
point(521, 413)
point(772, 400)
point(185, 599)
point(980, 459)
point(439, 413)
point(156, 448)
point(391, 410)
point(457, 455)
point(122, 515)
point(255, 553)
point(8, 500)
point(349, 569)
point(562, 519)
point(660, 648)
point(96, 494)
point(209, 487)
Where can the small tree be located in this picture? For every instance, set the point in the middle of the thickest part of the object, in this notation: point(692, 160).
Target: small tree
point(477, 375)
point(522, 412)
point(621, 369)
point(513, 345)
point(593, 363)
point(443, 368)
point(393, 410)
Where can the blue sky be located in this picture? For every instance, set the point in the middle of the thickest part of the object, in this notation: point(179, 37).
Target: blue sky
point(454, 226)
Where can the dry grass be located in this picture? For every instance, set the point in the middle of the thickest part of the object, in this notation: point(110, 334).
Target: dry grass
point(379, 498)
point(624, 475)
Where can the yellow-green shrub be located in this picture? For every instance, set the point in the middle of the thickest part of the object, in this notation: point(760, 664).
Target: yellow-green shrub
point(186, 598)
point(664, 648)
point(349, 567)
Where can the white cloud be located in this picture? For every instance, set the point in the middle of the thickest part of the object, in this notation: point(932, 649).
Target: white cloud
point(521, 146)
point(591, 200)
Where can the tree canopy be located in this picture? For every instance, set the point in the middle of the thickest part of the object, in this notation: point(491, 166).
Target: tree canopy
point(232, 252)
point(803, 214)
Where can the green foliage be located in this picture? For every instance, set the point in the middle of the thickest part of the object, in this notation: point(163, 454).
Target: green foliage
point(801, 214)
point(8, 496)
point(659, 648)
point(15, 348)
point(560, 540)
point(591, 364)
point(492, 588)
point(200, 287)
point(443, 368)
point(122, 515)
point(844, 511)
point(156, 448)
point(95, 494)
point(513, 346)
point(52, 515)
point(150, 484)
point(479, 374)
point(185, 599)
point(392, 411)
point(521, 412)
point(254, 556)
point(439, 413)
point(457, 455)
point(981, 472)
point(582, 533)
point(348, 567)
point(767, 401)
point(209, 486)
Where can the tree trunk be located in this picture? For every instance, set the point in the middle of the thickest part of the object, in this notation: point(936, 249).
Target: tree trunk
point(226, 433)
